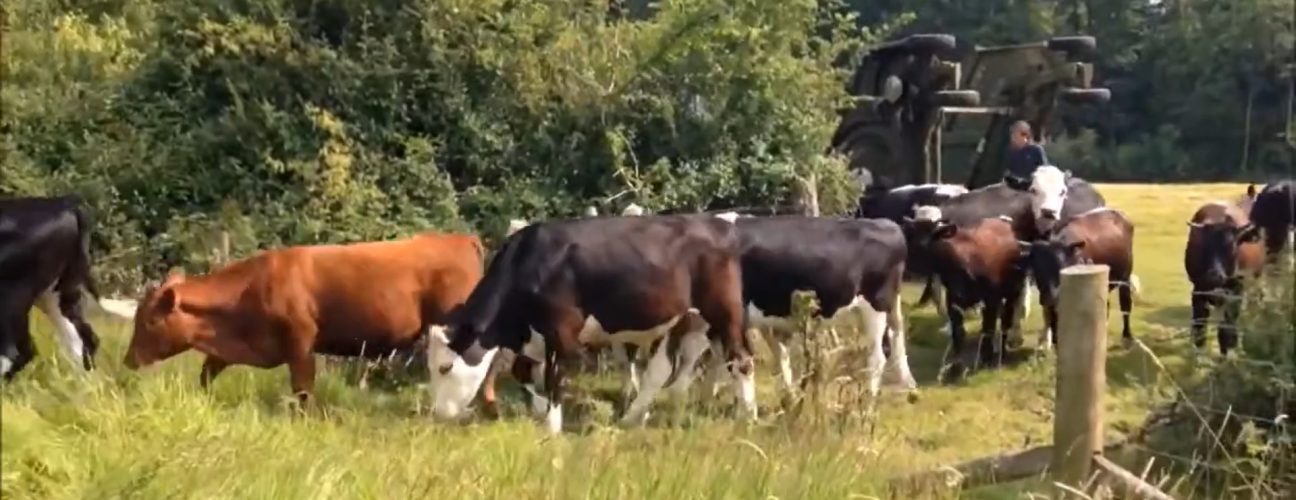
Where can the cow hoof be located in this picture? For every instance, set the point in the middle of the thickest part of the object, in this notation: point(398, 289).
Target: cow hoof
point(913, 396)
point(1127, 342)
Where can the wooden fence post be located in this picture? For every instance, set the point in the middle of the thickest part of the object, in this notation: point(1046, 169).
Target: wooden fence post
point(1081, 372)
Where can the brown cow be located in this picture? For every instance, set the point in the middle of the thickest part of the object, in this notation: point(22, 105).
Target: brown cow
point(282, 306)
point(981, 264)
point(1223, 250)
point(1099, 236)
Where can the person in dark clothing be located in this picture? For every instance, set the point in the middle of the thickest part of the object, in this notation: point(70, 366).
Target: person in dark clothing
point(1024, 156)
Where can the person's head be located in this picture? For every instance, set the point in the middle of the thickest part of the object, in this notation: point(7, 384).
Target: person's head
point(1019, 134)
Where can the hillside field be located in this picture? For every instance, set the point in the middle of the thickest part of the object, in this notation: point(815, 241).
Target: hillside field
point(120, 434)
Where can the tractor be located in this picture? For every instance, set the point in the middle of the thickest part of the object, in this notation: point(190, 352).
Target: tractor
point(923, 97)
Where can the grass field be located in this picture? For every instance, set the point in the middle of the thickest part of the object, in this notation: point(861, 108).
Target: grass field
point(118, 434)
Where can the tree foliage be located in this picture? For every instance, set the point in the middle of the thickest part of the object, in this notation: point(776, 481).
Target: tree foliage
point(306, 121)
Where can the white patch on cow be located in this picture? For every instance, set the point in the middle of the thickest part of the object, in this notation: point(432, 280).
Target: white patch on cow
point(591, 212)
point(927, 213)
point(659, 368)
point(633, 210)
point(554, 419)
point(1048, 190)
point(516, 225)
point(757, 319)
point(5, 365)
point(875, 325)
point(951, 190)
point(745, 391)
point(73, 348)
point(692, 345)
point(731, 217)
point(453, 390)
point(898, 363)
point(593, 333)
point(1135, 285)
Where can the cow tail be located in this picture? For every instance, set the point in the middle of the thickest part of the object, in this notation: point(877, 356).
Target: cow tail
point(82, 265)
point(1135, 285)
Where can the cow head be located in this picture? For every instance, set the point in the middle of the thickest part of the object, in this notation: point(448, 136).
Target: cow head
point(1218, 254)
point(456, 373)
point(1047, 258)
point(922, 226)
point(163, 328)
point(1048, 191)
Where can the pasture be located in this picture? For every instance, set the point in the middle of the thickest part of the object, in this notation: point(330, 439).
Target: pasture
point(156, 434)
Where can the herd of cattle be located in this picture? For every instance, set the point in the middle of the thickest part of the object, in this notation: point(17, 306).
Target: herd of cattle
point(670, 286)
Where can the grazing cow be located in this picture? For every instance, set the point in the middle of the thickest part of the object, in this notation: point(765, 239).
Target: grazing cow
point(1099, 236)
point(854, 267)
point(979, 264)
point(899, 205)
point(662, 283)
point(282, 306)
point(1274, 212)
point(1223, 250)
point(44, 262)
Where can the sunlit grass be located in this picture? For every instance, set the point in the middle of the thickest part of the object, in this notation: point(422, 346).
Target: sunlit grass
point(117, 433)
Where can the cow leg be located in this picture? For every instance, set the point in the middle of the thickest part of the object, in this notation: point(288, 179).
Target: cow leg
point(1232, 307)
point(70, 305)
point(659, 368)
point(503, 361)
point(627, 355)
point(535, 350)
point(1126, 304)
point(1048, 338)
point(1021, 304)
point(73, 347)
point(1200, 316)
point(958, 336)
point(990, 344)
point(555, 385)
point(875, 324)
point(693, 344)
point(22, 349)
point(301, 373)
point(212, 366)
point(716, 373)
point(898, 362)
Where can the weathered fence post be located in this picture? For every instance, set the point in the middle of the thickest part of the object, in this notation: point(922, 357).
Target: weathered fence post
point(1081, 372)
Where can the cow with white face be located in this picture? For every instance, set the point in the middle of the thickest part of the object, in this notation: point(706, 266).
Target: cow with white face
point(1048, 192)
point(664, 283)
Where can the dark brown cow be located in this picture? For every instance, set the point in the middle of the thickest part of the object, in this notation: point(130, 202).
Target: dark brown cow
point(1274, 211)
point(1223, 250)
point(282, 306)
point(979, 264)
point(1099, 236)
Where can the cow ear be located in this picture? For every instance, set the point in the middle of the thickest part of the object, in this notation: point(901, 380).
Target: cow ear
point(1195, 225)
point(1024, 247)
point(1251, 191)
point(169, 301)
point(1249, 233)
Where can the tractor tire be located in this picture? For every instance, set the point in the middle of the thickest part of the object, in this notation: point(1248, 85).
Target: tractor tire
point(930, 42)
point(1086, 96)
point(1081, 48)
point(965, 98)
point(874, 149)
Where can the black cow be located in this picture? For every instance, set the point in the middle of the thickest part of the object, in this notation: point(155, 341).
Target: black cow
point(898, 205)
point(980, 264)
point(1274, 211)
point(853, 266)
point(1223, 251)
point(44, 262)
point(664, 283)
point(1099, 236)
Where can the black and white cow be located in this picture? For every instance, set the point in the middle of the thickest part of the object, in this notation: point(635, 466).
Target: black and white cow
point(1274, 212)
point(668, 284)
point(853, 266)
point(899, 205)
point(44, 262)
